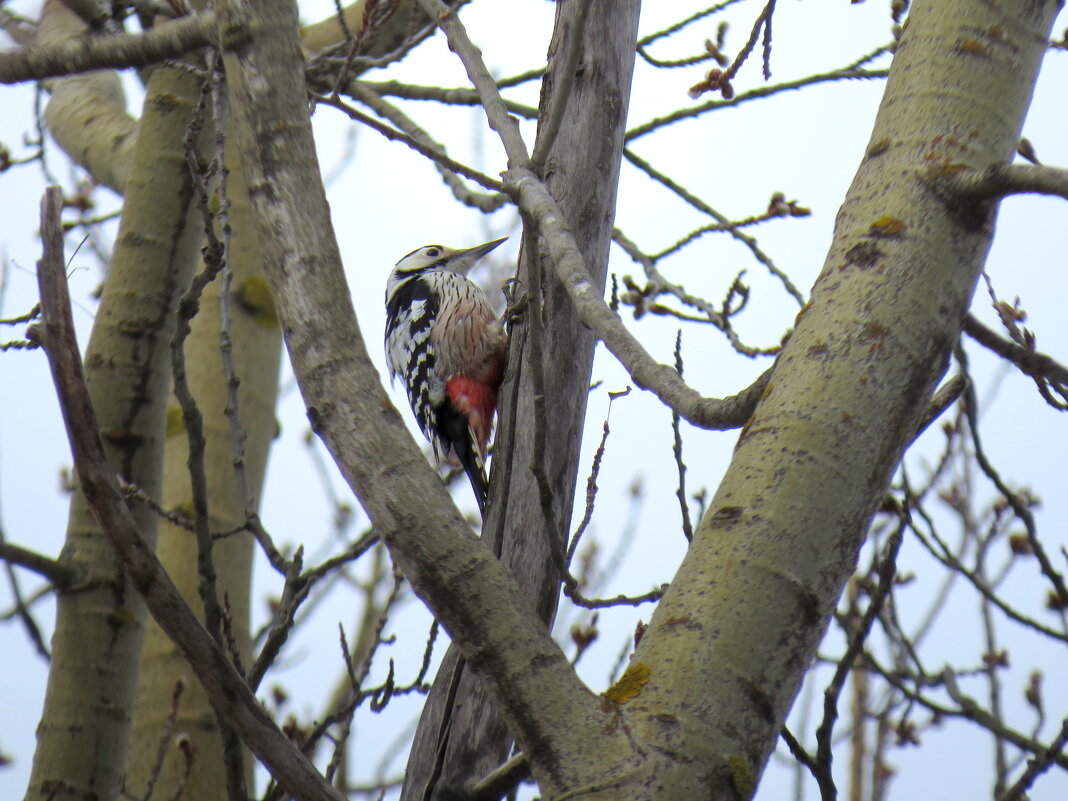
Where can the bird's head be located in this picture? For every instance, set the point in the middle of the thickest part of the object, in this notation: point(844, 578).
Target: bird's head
point(437, 256)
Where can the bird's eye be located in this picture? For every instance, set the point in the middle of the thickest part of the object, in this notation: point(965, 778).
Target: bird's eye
point(433, 252)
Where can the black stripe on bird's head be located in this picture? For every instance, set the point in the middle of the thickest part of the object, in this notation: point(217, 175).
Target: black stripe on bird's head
point(433, 256)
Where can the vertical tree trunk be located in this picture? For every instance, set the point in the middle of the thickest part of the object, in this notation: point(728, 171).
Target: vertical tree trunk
point(257, 348)
point(84, 729)
point(461, 737)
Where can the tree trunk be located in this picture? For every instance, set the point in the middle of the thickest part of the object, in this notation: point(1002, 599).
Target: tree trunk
point(730, 642)
point(85, 725)
point(257, 349)
point(583, 171)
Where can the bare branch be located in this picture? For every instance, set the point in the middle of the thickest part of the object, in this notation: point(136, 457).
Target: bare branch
point(822, 771)
point(429, 151)
point(712, 413)
point(704, 208)
point(1038, 765)
point(112, 52)
point(460, 190)
point(1001, 180)
point(227, 690)
point(496, 112)
point(502, 781)
point(56, 572)
point(21, 609)
point(1031, 362)
point(755, 94)
point(461, 96)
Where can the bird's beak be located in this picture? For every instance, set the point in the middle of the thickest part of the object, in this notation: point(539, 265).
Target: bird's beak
point(462, 261)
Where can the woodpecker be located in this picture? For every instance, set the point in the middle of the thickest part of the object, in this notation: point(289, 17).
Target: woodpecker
point(449, 348)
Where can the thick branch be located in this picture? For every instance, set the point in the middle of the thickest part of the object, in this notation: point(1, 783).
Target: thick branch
point(109, 52)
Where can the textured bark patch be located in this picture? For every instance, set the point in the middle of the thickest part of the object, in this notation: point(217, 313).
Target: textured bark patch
point(878, 148)
point(973, 47)
point(863, 255)
point(887, 227)
point(629, 684)
point(741, 776)
point(175, 421)
point(254, 296)
point(875, 332)
point(726, 517)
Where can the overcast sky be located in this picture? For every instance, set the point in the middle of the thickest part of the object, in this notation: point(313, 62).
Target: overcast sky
point(386, 201)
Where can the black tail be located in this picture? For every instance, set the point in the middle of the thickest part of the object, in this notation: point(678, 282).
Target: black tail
point(471, 460)
point(458, 434)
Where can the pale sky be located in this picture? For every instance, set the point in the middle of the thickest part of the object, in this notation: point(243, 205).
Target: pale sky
point(386, 201)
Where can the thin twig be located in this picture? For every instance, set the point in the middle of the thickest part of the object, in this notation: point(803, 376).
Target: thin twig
point(704, 208)
point(21, 610)
point(1019, 506)
point(397, 136)
point(1038, 765)
point(193, 420)
point(687, 527)
point(824, 755)
point(754, 94)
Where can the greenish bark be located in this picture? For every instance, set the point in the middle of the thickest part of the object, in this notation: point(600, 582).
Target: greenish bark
point(729, 644)
point(86, 114)
point(85, 725)
point(257, 347)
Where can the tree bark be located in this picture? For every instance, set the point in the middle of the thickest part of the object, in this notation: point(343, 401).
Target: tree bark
point(469, 590)
point(730, 642)
point(461, 735)
point(85, 725)
point(86, 114)
point(257, 350)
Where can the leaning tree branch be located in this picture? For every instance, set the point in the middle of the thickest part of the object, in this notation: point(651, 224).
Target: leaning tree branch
point(496, 111)
point(534, 199)
point(479, 603)
point(112, 52)
point(100, 486)
point(713, 413)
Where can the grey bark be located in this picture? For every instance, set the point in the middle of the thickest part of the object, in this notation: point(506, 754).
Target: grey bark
point(461, 736)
